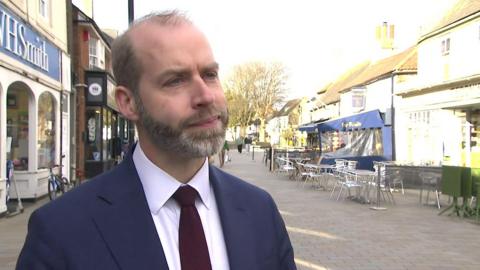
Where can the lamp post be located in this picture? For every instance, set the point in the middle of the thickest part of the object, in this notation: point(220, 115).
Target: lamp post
point(130, 11)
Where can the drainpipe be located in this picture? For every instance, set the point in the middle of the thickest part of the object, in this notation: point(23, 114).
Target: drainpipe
point(392, 109)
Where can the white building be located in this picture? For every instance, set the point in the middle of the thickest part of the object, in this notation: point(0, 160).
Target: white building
point(34, 93)
point(440, 112)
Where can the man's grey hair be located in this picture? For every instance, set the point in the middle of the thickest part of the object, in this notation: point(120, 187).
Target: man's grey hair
point(127, 68)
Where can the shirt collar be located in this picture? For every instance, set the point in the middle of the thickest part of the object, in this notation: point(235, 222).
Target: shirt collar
point(159, 186)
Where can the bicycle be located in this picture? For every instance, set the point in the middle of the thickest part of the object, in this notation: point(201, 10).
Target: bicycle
point(9, 179)
point(57, 185)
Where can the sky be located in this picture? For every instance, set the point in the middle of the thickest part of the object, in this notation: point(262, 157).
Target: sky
point(316, 40)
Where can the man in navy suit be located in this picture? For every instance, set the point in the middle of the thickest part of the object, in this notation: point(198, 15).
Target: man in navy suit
point(130, 217)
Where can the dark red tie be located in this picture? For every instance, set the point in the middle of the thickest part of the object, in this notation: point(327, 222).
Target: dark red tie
point(192, 244)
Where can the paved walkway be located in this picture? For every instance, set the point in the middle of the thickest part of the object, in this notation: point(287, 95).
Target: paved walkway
point(13, 231)
point(328, 234)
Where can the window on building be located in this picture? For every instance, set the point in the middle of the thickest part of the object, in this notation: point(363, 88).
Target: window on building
point(358, 100)
point(446, 46)
point(93, 52)
point(107, 134)
point(93, 144)
point(46, 131)
point(18, 126)
point(43, 8)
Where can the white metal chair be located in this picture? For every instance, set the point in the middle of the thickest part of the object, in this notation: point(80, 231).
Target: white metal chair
point(430, 183)
point(385, 184)
point(284, 166)
point(344, 179)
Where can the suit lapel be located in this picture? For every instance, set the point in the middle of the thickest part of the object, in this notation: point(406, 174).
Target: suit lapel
point(125, 222)
point(236, 225)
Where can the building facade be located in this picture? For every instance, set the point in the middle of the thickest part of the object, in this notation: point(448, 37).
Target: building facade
point(34, 88)
point(440, 112)
point(102, 134)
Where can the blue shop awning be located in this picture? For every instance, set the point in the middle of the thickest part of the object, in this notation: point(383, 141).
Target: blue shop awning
point(309, 128)
point(370, 119)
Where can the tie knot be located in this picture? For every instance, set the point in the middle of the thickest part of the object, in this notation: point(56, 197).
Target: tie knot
point(185, 196)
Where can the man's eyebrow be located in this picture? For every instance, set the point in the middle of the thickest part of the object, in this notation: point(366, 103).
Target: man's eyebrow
point(211, 66)
point(184, 71)
point(172, 71)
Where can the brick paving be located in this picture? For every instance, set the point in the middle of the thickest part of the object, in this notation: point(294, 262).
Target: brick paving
point(329, 234)
point(13, 231)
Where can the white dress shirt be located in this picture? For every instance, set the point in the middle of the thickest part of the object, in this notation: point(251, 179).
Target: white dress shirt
point(159, 187)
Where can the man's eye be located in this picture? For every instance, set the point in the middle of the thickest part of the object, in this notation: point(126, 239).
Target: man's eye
point(211, 75)
point(175, 81)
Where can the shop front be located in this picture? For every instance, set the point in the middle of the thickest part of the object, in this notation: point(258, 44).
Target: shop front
point(363, 137)
point(32, 98)
point(107, 135)
point(442, 126)
point(310, 133)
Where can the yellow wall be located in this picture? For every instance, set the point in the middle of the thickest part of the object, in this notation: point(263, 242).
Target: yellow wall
point(54, 28)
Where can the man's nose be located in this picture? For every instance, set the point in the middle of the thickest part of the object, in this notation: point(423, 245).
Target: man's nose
point(203, 94)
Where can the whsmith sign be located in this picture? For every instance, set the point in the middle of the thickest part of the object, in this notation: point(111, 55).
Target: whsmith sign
point(20, 41)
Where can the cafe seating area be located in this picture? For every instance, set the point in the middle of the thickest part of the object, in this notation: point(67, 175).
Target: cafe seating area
point(385, 184)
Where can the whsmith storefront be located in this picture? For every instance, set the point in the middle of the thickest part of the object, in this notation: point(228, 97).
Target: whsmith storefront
point(34, 105)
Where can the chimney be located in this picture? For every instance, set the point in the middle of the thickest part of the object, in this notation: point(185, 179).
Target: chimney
point(392, 33)
point(385, 35)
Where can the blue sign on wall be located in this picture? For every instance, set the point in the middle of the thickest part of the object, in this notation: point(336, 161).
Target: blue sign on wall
point(21, 42)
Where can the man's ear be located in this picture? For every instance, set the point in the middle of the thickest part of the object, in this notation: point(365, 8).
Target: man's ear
point(126, 103)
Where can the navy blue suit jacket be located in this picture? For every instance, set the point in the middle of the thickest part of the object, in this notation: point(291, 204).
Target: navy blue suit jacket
point(106, 224)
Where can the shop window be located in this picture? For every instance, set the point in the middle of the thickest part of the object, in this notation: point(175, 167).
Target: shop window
point(17, 126)
point(46, 131)
point(352, 143)
point(107, 134)
point(93, 134)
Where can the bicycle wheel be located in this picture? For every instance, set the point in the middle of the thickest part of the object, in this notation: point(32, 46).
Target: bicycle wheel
point(55, 187)
point(67, 185)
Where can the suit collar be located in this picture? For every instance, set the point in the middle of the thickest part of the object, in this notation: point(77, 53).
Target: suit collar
point(159, 186)
point(123, 218)
point(236, 223)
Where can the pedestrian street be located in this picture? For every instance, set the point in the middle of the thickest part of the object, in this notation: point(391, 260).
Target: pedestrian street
point(330, 234)
point(344, 234)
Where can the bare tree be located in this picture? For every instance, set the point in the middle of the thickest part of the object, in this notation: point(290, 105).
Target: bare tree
point(253, 91)
point(239, 112)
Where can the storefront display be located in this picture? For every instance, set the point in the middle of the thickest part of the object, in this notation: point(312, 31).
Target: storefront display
point(363, 137)
point(17, 126)
point(108, 134)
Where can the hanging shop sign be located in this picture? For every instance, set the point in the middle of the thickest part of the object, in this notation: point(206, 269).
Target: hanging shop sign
point(101, 89)
point(21, 42)
point(370, 119)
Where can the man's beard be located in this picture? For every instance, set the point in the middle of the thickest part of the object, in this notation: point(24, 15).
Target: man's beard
point(179, 141)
